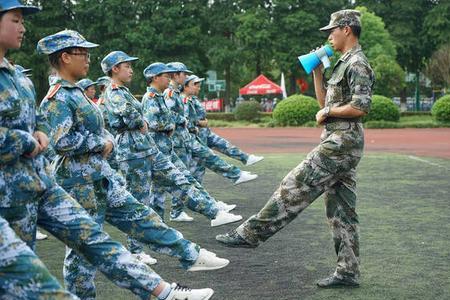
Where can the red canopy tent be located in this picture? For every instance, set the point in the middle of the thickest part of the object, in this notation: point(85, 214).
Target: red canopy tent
point(261, 86)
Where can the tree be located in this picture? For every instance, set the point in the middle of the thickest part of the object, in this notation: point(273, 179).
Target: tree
point(438, 67)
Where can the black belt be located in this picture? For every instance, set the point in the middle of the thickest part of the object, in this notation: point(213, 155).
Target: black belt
point(337, 120)
point(165, 131)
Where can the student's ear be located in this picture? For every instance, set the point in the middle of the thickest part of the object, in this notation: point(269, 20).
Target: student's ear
point(115, 69)
point(65, 58)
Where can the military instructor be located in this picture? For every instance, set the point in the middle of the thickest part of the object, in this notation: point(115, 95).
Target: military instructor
point(330, 168)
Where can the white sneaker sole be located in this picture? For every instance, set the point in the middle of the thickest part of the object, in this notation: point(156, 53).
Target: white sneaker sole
point(254, 162)
point(200, 268)
point(246, 180)
point(228, 222)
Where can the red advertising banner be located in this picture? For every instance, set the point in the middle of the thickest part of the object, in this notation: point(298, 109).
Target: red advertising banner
point(213, 105)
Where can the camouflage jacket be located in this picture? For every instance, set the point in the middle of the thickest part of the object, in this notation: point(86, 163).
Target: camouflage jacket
point(18, 122)
point(191, 112)
point(77, 134)
point(351, 83)
point(124, 118)
point(174, 102)
point(159, 118)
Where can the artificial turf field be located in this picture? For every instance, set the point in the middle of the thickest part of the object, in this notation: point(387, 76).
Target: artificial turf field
point(404, 211)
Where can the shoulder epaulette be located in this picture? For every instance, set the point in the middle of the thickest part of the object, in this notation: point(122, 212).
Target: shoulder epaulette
point(151, 94)
point(52, 92)
point(185, 100)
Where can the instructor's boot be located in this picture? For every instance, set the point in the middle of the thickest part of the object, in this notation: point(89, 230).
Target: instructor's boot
point(334, 281)
point(234, 240)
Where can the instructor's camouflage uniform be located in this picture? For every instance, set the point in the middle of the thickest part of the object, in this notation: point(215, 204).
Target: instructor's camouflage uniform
point(329, 169)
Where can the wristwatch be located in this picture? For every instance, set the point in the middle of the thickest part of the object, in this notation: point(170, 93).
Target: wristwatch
point(326, 111)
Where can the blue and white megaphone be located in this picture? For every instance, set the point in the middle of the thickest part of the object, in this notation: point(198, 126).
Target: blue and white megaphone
point(312, 60)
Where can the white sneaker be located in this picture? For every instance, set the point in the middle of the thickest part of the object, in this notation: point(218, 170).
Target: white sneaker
point(253, 159)
point(179, 292)
point(224, 217)
point(208, 261)
point(225, 207)
point(145, 258)
point(245, 176)
point(183, 217)
point(40, 236)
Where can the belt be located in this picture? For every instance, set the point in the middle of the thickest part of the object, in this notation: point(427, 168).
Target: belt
point(330, 120)
point(166, 131)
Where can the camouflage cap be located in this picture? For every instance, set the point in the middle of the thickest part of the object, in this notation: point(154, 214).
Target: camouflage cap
point(85, 83)
point(179, 66)
point(6, 5)
point(193, 78)
point(104, 80)
point(341, 18)
point(114, 58)
point(62, 40)
point(156, 69)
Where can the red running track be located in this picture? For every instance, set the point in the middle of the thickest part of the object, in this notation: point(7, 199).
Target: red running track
point(434, 142)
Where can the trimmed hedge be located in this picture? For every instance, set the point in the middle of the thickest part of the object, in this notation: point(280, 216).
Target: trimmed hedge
point(222, 116)
point(382, 109)
point(296, 110)
point(441, 109)
point(247, 111)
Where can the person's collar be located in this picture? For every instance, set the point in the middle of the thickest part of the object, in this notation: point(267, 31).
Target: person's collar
point(153, 90)
point(351, 52)
point(5, 64)
point(56, 79)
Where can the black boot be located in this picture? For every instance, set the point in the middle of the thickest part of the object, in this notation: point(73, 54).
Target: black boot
point(335, 282)
point(233, 239)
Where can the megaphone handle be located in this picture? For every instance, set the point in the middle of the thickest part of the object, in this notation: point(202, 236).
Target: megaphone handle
point(326, 62)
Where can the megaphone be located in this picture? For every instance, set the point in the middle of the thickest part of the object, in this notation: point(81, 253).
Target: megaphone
point(312, 60)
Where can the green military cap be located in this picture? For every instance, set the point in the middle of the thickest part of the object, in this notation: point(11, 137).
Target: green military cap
point(341, 18)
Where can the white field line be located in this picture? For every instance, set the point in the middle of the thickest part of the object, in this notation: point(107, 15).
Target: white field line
point(427, 162)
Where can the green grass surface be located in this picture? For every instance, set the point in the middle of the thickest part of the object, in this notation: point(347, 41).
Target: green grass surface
point(404, 208)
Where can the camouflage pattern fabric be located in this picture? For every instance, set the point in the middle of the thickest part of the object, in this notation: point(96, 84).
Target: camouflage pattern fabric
point(29, 194)
point(329, 169)
point(345, 17)
point(201, 151)
point(24, 276)
point(78, 136)
point(140, 161)
point(159, 118)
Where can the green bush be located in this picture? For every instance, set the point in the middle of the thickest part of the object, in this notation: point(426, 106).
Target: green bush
point(296, 110)
point(441, 109)
point(382, 109)
point(247, 111)
point(223, 116)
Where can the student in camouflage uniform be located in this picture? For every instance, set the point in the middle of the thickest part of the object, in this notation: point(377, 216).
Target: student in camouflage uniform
point(88, 86)
point(21, 270)
point(29, 194)
point(330, 168)
point(83, 145)
point(161, 124)
point(205, 134)
point(181, 137)
point(138, 157)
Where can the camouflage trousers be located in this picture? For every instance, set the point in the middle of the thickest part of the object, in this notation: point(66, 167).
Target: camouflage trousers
point(316, 175)
point(23, 275)
point(150, 177)
point(217, 143)
point(62, 216)
point(108, 200)
point(198, 151)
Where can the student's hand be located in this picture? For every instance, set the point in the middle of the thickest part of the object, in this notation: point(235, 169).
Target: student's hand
point(321, 117)
point(109, 146)
point(144, 128)
point(42, 140)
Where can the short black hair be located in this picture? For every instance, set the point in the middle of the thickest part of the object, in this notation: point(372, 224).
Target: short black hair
point(54, 58)
point(356, 30)
point(109, 73)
